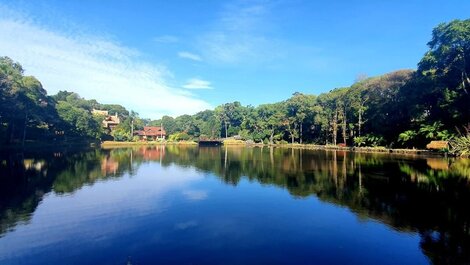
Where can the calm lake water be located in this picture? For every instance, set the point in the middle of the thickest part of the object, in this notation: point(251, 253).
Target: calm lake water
point(190, 205)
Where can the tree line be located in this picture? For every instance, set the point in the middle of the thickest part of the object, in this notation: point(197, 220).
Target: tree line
point(405, 108)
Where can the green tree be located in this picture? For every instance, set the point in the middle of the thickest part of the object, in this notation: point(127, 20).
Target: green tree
point(230, 115)
point(447, 66)
point(80, 120)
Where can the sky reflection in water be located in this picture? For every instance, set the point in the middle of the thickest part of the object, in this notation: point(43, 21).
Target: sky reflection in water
point(189, 205)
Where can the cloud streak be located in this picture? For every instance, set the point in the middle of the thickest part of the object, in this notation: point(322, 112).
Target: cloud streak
point(190, 56)
point(241, 35)
point(196, 83)
point(95, 68)
point(166, 39)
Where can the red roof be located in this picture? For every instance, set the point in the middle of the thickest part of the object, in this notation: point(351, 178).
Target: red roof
point(151, 131)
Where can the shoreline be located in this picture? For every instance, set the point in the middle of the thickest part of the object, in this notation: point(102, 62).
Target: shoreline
point(111, 144)
point(41, 146)
point(37, 147)
point(399, 151)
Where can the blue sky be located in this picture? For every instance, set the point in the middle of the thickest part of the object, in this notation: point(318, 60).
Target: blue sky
point(176, 57)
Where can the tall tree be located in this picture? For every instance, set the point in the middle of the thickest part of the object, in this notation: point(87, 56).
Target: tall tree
point(447, 66)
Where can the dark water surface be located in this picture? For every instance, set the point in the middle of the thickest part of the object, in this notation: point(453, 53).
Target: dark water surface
point(190, 205)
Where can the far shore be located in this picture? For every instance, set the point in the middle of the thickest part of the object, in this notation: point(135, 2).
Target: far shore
point(112, 144)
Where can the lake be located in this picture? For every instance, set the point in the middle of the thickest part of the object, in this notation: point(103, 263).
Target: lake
point(233, 205)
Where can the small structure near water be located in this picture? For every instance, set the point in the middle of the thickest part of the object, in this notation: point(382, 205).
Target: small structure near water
point(204, 141)
point(438, 145)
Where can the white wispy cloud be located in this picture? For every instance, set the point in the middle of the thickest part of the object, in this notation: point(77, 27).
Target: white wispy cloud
point(166, 39)
point(196, 83)
point(241, 35)
point(93, 67)
point(191, 56)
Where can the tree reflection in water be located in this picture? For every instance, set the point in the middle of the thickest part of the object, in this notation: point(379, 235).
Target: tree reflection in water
point(410, 194)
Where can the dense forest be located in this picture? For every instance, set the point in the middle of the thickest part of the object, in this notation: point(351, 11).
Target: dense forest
point(405, 108)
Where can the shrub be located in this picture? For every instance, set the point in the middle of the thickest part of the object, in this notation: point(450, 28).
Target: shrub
point(360, 140)
point(374, 140)
point(234, 142)
point(407, 137)
point(434, 132)
point(180, 136)
point(460, 146)
point(250, 142)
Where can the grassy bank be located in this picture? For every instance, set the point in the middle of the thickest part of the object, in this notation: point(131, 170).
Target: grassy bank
point(109, 144)
point(234, 142)
point(112, 144)
point(379, 149)
point(367, 149)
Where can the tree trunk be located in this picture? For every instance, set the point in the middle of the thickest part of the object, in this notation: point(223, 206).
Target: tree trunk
point(335, 126)
point(225, 130)
point(327, 132)
point(300, 133)
point(360, 113)
point(344, 125)
point(359, 123)
point(132, 129)
point(464, 80)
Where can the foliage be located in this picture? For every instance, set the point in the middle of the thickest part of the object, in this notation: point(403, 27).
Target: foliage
point(120, 134)
point(234, 142)
point(460, 145)
point(433, 131)
point(180, 136)
point(374, 140)
point(446, 68)
point(83, 122)
point(359, 141)
point(407, 136)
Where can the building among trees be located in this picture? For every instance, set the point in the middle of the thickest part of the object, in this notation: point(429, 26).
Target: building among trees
point(152, 133)
point(109, 122)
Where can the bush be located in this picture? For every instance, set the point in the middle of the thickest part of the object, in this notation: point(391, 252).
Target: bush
point(250, 142)
point(234, 142)
point(121, 135)
point(374, 140)
point(434, 132)
point(460, 146)
point(407, 138)
point(181, 136)
point(359, 141)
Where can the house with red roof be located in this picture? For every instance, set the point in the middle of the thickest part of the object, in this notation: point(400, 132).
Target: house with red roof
point(152, 133)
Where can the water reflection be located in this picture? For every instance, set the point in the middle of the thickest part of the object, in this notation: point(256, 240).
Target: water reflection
point(410, 194)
